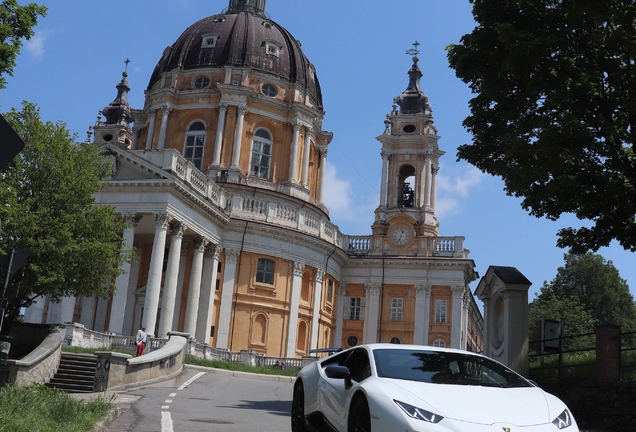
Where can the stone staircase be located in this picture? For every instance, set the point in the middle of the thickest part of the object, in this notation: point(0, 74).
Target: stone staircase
point(75, 374)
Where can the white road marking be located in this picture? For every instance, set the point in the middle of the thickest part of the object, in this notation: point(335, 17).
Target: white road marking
point(166, 422)
point(188, 382)
point(165, 407)
point(168, 401)
point(172, 395)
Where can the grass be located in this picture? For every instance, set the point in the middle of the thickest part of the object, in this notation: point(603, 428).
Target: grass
point(39, 408)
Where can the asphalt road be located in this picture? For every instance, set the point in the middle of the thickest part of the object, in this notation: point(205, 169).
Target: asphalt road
point(203, 401)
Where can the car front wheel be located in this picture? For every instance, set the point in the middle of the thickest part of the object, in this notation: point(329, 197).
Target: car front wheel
point(298, 421)
point(359, 417)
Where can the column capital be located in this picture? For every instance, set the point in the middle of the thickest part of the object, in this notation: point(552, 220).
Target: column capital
point(241, 109)
point(373, 288)
point(231, 255)
point(342, 288)
point(223, 106)
point(166, 108)
point(423, 289)
point(458, 291)
point(320, 274)
point(435, 169)
point(296, 125)
point(299, 268)
point(213, 251)
point(177, 228)
point(385, 154)
point(200, 243)
point(131, 219)
point(162, 220)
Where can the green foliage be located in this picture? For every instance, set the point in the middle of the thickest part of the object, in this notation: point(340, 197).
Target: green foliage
point(586, 291)
point(38, 408)
point(74, 242)
point(16, 23)
point(554, 111)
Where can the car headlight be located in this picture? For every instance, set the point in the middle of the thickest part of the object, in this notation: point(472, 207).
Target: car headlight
point(418, 413)
point(563, 420)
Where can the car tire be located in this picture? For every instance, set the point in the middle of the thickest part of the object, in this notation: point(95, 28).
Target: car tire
point(359, 416)
point(298, 420)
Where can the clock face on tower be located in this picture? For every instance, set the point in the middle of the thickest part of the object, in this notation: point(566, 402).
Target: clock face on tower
point(401, 236)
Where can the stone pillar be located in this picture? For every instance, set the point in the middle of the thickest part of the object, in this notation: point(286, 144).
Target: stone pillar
point(457, 325)
point(135, 137)
point(342, 290)
point(227, 298)
point(220, 128)
point(321, 176)
point(151, 129)
point(170, 282)
point(164, 125)
point(384, 180)
point(422, 314)
point(87, 317)
point(372, 312)
point(608, 352)
point(35, 313)
point(153, 287)
point(206, 302)
point(53, 315)
point(427, 180)
point(292, 327)
point(293, 161)
point(434, 188)
point(465, 309)
point(194, 289)
point(67, 308)
point(238, 137)
point(306, 154)
point(118, 306)
point(315, 321)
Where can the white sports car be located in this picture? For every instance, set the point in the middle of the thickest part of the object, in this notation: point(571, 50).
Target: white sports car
point(411, 388)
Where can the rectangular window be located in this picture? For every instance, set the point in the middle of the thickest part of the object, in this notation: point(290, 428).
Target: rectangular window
point(397, 307)
point(329, 290)
point(440, 311)
point(265, 271)
point(354, 308)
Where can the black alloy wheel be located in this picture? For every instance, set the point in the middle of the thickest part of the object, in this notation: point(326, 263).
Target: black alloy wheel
point(359, 417)
point(298, 421)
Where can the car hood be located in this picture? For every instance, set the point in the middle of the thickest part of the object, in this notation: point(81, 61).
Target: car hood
point(524, 406)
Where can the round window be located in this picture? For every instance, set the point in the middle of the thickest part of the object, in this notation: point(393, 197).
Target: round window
point(395, 340)
point(201, 82)
point(269, 90)
point(108, 137)
point(408, 129)
point(352, 341)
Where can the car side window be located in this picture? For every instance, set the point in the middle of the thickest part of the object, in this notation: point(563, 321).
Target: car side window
point(358, 364)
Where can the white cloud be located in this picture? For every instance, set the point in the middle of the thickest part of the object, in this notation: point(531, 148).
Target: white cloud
point(35, 45)
point(336, 193)
point(452, 186)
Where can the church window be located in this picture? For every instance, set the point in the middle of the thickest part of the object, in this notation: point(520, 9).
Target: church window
point(269, 90)
point(329, 290)
point(194, 143)
point(440, 311)
point(439, 343)
point(354, 308)
point(201, 82)
point(397, 307)
point(209, 41)
point(272, 48)
point(261, 153)
point(395, 340)
point(265, 271)
point(409, 129)
point(352, 341)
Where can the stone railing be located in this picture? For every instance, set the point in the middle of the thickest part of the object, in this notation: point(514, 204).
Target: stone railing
point(450, 247)
point(79, 336)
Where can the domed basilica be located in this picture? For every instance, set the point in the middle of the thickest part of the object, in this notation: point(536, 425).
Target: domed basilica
point(220, 178)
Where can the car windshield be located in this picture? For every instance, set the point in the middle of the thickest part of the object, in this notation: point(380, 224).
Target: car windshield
point(440, 367)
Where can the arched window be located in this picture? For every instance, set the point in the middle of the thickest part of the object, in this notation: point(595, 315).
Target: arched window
point(194, 143)
point(305, 287)
point(261, 153)
point(439, 343)
point(301, 339)
point(395, 340)
point(259, 329)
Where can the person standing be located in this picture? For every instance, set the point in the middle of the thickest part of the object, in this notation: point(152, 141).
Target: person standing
point(141, 340)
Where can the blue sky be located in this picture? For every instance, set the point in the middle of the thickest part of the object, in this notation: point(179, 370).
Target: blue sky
point(71, 66)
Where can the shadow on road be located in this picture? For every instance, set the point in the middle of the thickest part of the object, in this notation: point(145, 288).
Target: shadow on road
point(282, 408)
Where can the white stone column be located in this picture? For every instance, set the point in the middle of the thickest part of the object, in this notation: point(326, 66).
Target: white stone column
point(165, 112)
point(321, 175)
point(342, 290)
point(227, 298)
point(306, 154)
point(434, 187)
point(153, 288)
point(465, 306)
point(315, 321)
point(456, 329)
point(170, 281)
point(118, 305)
point(35, 313)
point(238, 137)
point(373, 312)
point(87, 317)
point(151, 129)
point(67, 308)
point(194, 289)
point(53, 313)
point(206, 302)
point(427, 180)
point(135, 137)
point(292, 327)
point(128, 328)
point(293, 160)
point(422, 314)
point(218, 142)
point(384, 178)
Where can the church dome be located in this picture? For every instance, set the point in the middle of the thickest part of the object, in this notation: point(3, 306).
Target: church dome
point(242, 37)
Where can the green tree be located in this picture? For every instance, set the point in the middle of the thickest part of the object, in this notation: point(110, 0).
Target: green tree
point(16, 23)
point(49, 209)
point(587, 290)
point(554, 110)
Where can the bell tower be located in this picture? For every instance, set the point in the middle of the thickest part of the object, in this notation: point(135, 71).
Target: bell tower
point(410, 153)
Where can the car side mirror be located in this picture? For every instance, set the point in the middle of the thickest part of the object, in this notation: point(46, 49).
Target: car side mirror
point(339, 372)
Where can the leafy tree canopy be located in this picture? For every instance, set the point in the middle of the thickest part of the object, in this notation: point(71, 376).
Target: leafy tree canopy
point(587, 290)
point(49, 209)
point(16, 23)
point(554, 111)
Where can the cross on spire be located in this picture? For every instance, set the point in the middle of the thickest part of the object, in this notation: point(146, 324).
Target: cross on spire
point(127, 61)
point(415, 50)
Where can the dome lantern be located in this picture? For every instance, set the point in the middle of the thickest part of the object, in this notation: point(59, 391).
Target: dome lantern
point(256, 7)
